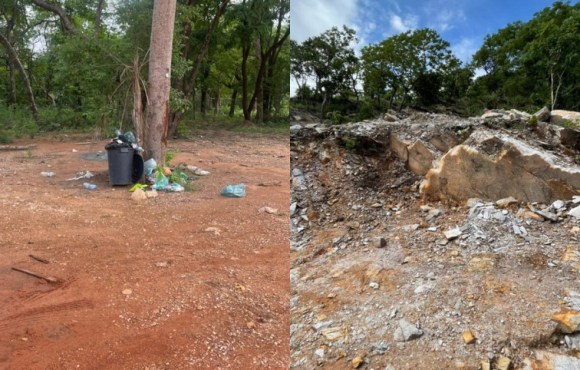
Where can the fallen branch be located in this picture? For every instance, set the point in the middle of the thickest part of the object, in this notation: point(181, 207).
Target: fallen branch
point(17, 147)
point(39, 259)
point(50, 279)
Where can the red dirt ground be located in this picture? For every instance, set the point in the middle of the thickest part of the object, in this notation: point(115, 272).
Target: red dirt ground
point(199, 299)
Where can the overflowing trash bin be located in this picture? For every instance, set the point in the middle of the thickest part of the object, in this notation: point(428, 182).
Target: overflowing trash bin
point(120, 158)
point(125, 162)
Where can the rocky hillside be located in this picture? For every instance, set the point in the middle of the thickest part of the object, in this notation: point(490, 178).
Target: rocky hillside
point(434, 242)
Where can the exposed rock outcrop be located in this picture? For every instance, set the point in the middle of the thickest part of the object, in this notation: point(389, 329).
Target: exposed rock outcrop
point(493, 165)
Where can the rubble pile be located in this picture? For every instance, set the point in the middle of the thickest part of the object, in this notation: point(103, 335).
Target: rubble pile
point(430, 241)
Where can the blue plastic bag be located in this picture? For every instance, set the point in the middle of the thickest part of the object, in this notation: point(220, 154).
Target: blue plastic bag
point(234, 191)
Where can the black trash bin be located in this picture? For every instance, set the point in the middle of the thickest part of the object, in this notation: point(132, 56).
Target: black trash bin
point(120, 157)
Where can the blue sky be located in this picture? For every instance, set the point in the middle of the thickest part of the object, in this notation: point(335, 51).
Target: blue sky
point(463, 23)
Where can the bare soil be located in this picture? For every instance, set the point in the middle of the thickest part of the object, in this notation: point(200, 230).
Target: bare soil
point(350, 293)
point(143, 285)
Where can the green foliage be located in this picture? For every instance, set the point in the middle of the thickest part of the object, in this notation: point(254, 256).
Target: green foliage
point(533, 64)
point(533, 121)
point(336, 118)
point(169, 155)
point(569, 124)
point(350, 144)
point(16, 121)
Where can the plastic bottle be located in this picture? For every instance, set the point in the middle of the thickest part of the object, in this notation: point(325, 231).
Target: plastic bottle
point(90, 186)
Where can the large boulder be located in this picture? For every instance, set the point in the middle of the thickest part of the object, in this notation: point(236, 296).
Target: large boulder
point(420, 159)
point(558, 117)
point(492, 165)
point(543, 115)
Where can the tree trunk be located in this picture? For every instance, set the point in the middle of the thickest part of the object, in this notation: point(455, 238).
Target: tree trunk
point(137, 113)
point(322, 106)
point(14, 57)
point(155, 141)
point(11, 67)
point(98, 17)
point(233, 102)
point(245, 108)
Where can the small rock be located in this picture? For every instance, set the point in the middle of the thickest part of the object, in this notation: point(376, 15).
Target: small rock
point(559, 204)
point(293, 208)
point(138, 195)
point(268, 210)
point(422, 289)
point(407, 331)
point(547, 215)
point(506, 202)
point(127, 292)
point(468, 337)
point(433, 213)
point(333, 333)
point(390, 117)
point(151, 193)
point(572, 341)
point(251, 325)
point(503, 363)
point(485, 365)
point(162, 264)
point(568, 320)
point(409, 228)
point(529, 215)
point(453, 234)
point(379, 242)
point(374, 285)
point(319, 352)
point(214, 230)
point(575, 212)
point(200, 172)
point(356, 362)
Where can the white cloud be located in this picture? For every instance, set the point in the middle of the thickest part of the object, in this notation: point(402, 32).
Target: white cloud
point(465, 49)
point(399, 24)
point(311, 18)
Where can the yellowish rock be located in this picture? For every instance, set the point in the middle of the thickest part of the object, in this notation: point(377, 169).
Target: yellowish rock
point(333, 333)
point(485, 365)
point(568, 320)
point(138, 195)
point(503, 363)
point(468, 337)
point(356, 362)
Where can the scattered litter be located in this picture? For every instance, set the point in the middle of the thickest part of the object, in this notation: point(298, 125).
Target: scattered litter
point(127, 292)
point(82, 175)
point(149, 166)
point(214, 230)
point(240, 287)
point(200, 172)
point(89, 186)
point(162, 264)
point(74, 150)
point(50, 279)
point(269, 210)
point(271, 183)
point(234, 191)
point(38, 259)
point(47, 174)
point(138, 186)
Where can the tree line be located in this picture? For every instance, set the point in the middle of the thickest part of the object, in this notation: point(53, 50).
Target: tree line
point(83, 64)
point(524, 66)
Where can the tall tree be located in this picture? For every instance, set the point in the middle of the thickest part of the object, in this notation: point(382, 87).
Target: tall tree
point(155, 141)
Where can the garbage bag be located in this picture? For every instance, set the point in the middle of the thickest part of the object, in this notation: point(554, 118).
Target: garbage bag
point(234, 191)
